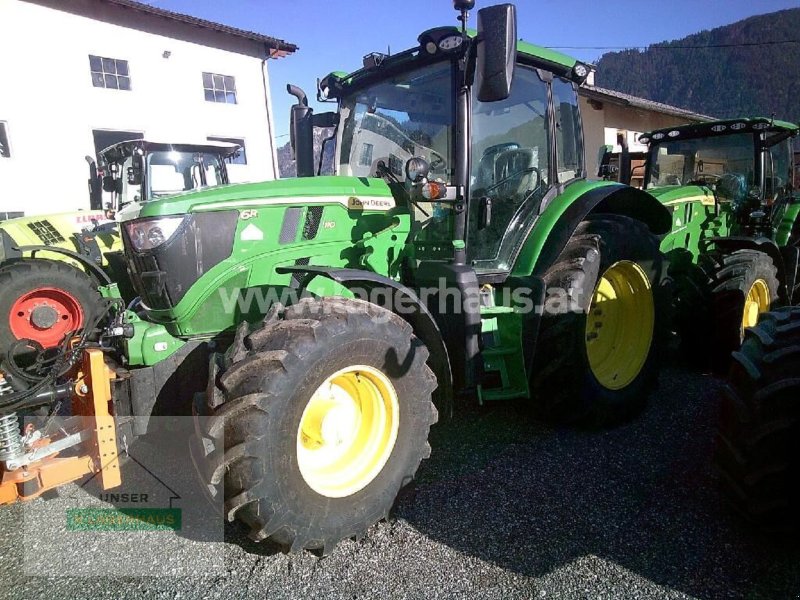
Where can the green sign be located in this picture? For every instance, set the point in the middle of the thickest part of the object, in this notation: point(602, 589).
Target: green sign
point(123, 519)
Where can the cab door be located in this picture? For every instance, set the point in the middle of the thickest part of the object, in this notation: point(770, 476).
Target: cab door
point(510, 172)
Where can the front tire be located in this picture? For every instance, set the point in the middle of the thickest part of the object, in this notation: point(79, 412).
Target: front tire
point(597, 354)
point(758, 448)
point(325, 410)
point(744, 287)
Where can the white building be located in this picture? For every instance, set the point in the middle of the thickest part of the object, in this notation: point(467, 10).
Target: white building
point(79, 75)
point(607, 114)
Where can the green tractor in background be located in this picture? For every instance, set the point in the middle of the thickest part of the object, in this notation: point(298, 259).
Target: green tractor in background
point(458, 253)
point(758, 436)
point(734, 246)
point(51, 265)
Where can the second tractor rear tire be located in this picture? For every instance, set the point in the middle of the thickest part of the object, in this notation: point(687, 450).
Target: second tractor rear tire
point(598, 349)
point(323, 414)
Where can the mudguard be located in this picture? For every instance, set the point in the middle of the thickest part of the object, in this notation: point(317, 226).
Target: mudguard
point(92, 267)
point(561, 218)
point(419, 317)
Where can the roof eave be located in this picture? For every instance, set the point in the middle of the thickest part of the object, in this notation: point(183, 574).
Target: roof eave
point(280, 47)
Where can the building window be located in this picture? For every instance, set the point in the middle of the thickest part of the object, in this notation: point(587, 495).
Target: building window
point(365, 160)
point(240, 158)
point(219, 88)
point(5, 149)
point(110, 73)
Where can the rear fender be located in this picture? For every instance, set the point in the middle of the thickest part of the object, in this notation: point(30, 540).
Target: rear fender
point(84, 261)
point(561, 218)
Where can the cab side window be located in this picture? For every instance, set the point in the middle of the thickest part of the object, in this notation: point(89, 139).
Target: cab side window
point(510, 141)
point(778, 180)
point(568, 130)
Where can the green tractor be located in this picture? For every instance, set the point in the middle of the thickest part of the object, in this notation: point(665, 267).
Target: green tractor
point(734, 247)
point(459, 252)
point(757, 451)
point(51, 265)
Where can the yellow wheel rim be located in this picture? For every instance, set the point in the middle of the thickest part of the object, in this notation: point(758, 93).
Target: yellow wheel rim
point(758, 301)
point(348, 431)
point(620, 325)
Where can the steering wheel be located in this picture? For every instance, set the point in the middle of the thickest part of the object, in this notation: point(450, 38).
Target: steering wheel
point(705, 179)
point(437, 161)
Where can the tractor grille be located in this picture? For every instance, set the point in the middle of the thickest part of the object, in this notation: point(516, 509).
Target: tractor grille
point(162, 276)
point(313, 219)
point(45, 231)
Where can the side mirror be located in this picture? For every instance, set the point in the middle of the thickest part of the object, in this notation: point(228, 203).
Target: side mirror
point(497, 51)
point(109, 184)
point(136, 170)
point(301, 132)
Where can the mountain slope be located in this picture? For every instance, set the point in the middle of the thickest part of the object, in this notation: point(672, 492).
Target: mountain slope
point(746, 73)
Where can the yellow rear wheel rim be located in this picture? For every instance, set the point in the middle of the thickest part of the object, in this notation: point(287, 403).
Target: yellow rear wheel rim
point(620, 325)
point(348, 431)
point(758, 301)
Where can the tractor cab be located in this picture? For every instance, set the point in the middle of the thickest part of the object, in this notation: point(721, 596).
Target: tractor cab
point(746, 164)
point(477, 158)
point(138, 171)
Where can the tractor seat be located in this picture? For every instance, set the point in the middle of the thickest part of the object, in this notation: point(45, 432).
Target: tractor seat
point(516, 167)
point(487, 167)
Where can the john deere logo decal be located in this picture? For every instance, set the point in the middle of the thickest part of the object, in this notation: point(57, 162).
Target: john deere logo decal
point(354, 203)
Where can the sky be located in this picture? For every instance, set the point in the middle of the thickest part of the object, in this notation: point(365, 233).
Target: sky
point(334, 35)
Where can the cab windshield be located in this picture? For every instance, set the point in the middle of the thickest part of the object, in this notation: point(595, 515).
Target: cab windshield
point(408, 115)
point(702, 160)
point(171, 172)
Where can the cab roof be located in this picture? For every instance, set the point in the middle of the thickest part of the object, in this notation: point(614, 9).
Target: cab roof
point(720, 127)
point(527, 53)
point(122, 150)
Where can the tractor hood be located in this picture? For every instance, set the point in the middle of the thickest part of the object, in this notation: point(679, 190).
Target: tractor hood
point(675, 194)
point(355, 192)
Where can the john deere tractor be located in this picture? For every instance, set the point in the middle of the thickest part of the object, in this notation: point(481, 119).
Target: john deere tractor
point(459, 253)
point(758, 439)
point(51, 265)
point(735, 239)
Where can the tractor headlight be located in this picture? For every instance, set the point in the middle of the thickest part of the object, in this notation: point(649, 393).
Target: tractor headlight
point(147, 234)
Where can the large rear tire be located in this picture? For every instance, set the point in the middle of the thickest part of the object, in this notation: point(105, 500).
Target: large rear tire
point(44, 300)
point(325, 410)
point(598, 350)
point(758, 436)
point(744, 286)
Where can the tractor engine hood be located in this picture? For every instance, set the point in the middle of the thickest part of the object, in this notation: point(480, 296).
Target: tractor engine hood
point(357, 193)
point(678, 194)
point(176, 241)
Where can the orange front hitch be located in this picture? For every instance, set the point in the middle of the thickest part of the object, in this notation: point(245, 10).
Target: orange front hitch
point(92, 448)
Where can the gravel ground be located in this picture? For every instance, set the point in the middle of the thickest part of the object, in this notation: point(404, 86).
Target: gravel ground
point(503, 509)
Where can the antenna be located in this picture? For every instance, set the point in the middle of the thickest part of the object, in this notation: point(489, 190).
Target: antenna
point(463, 6)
